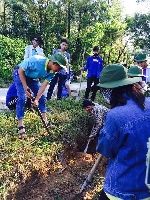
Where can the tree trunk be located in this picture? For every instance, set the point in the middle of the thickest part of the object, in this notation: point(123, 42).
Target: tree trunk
point(121, 52)
point(69, 19)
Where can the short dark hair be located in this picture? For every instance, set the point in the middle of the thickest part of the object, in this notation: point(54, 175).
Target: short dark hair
point(64, 40)
point(87, 102)
point(39, 39)
point(96, 48)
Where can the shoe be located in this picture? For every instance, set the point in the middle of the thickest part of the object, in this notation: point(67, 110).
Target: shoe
point(22, 134)
point(50, 125)
point(49, 111)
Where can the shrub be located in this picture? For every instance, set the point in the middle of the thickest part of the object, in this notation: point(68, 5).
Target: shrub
point(11, 53)
point(39, 153)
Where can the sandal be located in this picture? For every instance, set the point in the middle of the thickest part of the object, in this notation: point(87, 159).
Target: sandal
point(22, 135)
point(50, 125)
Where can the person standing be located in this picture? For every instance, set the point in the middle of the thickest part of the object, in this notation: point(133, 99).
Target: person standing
point(142, 62)
point(61, 76)
point(94, 66)
point(123, 139)
point(34, 49)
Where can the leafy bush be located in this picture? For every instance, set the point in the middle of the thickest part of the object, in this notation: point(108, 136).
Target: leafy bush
point(19, 158)
point(11, 53)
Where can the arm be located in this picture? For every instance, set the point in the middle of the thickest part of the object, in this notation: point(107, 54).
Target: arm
point(110, 138)
point(99, 120)
point(100, 67)
point(23, 81)
point(68, 58)
point(41, 90)
point(87, 65)
point(54, 51)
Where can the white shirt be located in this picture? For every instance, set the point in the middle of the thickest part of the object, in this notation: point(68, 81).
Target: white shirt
point(30, 49)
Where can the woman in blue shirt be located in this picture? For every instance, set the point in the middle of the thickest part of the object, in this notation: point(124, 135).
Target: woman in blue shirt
point(124, 136)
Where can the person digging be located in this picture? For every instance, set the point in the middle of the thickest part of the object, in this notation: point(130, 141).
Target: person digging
point(98, 113)
point(26, 78)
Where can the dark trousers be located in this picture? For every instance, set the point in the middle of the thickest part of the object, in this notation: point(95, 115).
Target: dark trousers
point(91, 80)
point(103, 196)
point(61, 80)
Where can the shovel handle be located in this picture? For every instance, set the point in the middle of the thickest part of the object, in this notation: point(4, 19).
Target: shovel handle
point(86, 148)
point(90, 176)
point(39, 113)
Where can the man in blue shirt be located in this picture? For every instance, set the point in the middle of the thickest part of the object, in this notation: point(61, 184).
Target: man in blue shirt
point(24, 74)
point(94, 66)
point(60, 76)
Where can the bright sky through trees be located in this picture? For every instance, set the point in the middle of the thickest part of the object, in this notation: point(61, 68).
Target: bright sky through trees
point(130, 7)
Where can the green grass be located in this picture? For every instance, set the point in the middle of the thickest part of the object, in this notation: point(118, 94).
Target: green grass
point(18, 158)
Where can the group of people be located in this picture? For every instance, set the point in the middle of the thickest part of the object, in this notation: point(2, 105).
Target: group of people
point(62, 77)
point(35, 66)
point(123, 129)
point(27, 75)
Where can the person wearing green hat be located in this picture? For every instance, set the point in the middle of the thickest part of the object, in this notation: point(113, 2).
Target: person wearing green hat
point(123, 138)
point(142, 62)
point(24, 76)
point(136, 71)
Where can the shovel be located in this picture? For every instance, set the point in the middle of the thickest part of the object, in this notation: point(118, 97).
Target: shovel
point(43, 121)
point(88, 179)
point(79, 92)
point(40, 115)
point(86, 148)
point(89, 140)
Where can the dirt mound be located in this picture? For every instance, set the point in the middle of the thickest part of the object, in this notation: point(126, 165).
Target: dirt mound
point(64, 181)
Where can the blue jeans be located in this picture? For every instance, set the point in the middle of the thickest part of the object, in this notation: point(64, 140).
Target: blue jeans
point(34, 85)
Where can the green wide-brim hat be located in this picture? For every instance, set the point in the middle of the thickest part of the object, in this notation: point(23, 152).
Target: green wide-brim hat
point(141, 57)
point(135, 71)
point(115, 75)
point(60, 59)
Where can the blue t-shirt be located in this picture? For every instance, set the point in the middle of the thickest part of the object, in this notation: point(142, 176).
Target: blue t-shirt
point(94, 65)
point(36, 67)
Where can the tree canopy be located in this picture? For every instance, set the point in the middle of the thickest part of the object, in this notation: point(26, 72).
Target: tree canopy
point(85, 23)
